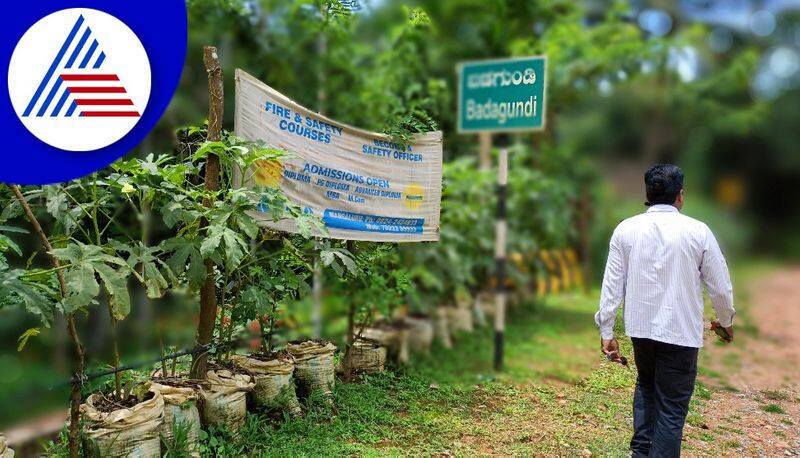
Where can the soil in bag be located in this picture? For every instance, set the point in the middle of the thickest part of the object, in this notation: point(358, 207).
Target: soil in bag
point(224, 398)
point(460, 319)
point(274, 389)
point(364, 357)
point(420, 333)
point(122, 428)
point(392, 335)
point(441, 328)
point(180, 430)
point(5, 450)
point(314, 370)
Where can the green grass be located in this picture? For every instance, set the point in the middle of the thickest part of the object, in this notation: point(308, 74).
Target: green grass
point(556, 396)
point(452, 402)
point(772, 408)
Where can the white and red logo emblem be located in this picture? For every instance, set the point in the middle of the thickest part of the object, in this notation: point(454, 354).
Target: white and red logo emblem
point(79, 79)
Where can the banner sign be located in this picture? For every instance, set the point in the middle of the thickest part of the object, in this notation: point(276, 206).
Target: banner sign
point(361, 184)
point(502, 95)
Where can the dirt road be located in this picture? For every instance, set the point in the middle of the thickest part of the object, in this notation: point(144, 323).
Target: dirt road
point(756, 407)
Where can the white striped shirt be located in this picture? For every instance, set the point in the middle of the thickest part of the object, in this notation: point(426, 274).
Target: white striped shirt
point(658, 262)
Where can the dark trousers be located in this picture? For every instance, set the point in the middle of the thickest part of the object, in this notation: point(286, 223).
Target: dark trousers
point(664, 386)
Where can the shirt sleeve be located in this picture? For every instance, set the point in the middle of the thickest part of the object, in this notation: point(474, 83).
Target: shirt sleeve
point(613, 290)
point(714, 273)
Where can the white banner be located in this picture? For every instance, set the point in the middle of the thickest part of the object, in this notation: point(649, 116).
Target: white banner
point(361, 184)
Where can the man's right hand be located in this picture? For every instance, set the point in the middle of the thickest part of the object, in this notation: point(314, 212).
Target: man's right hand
point(715, 325)
point(610, 348)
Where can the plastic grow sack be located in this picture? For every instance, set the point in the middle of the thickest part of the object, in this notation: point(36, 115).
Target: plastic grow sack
point(365, 357)
point(394, 338)
point(127, 432)
point(224, 395)
point(313, 366)
point(5, 450)
point(180, 411)
point(460, 319)
point(274, 387)
point(441, 327)
point(420, 334)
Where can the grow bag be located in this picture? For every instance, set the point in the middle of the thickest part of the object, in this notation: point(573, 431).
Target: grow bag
point(441, 328)
point(5, 451)
point(365, 357)
point(393, 337)
point(313, 366)
point(124, 432)
point(420, 333)
point(274, 387)
point(486, 303)
point(460, 319)
point(180, 411)
point(224, 395)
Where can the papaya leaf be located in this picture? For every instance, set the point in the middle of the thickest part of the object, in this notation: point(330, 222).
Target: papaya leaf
point(115, 283)
point(34, 297)
point(23, 339)
point(82, 288)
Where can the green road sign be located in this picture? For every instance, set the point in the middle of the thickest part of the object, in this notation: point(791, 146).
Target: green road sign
point(502, 95)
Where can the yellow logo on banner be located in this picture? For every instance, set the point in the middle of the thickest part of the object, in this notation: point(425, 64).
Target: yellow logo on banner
point(413, 196)
point(268, 172)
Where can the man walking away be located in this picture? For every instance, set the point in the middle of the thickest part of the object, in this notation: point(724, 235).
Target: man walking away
point(658, 262)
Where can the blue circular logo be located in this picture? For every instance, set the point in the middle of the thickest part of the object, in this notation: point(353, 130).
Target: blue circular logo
point(87, 81)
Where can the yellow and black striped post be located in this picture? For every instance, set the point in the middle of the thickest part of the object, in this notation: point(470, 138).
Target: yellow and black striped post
point(501, 229)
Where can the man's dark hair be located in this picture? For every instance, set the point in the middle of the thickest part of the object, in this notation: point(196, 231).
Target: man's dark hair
point(663, 183)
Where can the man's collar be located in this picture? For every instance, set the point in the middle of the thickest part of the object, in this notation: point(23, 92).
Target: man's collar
point(662, 208)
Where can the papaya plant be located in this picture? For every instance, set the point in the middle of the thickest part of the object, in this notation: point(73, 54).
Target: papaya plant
point(212, 226)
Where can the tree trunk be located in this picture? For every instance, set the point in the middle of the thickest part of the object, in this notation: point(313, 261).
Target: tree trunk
point(75, 395)
point(208, 292)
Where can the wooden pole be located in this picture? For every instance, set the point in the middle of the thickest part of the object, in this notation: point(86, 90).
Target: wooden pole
point(208, 292)
point(501, 229)
point(484, 150)
point(75, 394)
point(317, 272)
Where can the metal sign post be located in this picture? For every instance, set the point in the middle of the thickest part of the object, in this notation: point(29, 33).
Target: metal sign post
point(501, 229)
point(501, 95)
point(505, 95)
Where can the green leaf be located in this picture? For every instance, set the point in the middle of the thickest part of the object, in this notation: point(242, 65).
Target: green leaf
point(82, 287)
point(34, 297)
point(347, 261)
point(17, 230)
point(145, 257)
point(212, 240)
point(248, 225)
point(7, 244)
point(235, 248)
point(116, 285)
point(187, 258)
point(23, 339)
point(326, 257)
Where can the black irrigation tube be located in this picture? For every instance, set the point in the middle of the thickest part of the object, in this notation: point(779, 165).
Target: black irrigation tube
point(83, 378)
